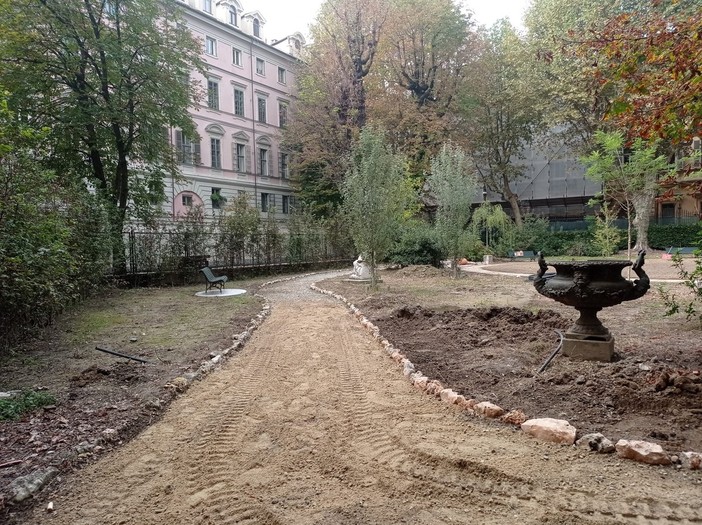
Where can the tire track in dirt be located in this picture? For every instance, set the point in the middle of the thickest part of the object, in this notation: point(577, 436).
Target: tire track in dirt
point(311, 423)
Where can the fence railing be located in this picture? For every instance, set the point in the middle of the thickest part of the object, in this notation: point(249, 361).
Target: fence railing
point(621, 223)
point(164, 251)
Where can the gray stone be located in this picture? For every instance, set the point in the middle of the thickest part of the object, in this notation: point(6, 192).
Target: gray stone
point(24, 487)
point(596, 442)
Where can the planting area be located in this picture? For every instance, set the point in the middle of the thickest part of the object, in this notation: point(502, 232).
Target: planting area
point(485, 336)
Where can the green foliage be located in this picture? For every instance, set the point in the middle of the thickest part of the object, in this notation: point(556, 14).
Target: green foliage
point(236, 228)
point(493, 225)
point(629, 174)
point(663, 236)
point(272, 240)
point(532, 236)
point(54, 242)
point(105, 79)
point(26, 401)
point(453, 182)
point(376, 195)
point(574, 243)
point(417, 244)
point(693, 281)
point(606, 236)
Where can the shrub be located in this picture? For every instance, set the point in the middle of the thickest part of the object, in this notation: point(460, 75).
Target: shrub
point(663, 236)
point(416, 244)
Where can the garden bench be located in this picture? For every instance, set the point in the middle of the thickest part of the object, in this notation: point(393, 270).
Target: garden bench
point(211, 281)
point(684, 250)
point(522, 254)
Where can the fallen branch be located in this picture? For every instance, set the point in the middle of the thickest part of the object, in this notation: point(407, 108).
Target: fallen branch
point(121, 355)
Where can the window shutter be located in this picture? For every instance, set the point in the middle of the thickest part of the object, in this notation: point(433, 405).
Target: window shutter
point(196, 152)
point(179, 145)
point(280, 164)
point(248, 159)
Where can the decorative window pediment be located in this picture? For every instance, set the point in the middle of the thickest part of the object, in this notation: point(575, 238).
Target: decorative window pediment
point(263, 140)
point(240, 136)
point(215, 129)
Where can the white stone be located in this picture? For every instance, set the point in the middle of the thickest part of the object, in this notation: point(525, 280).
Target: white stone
point(643, 451)
point(448, 396)
point(691, 460)
point(489, 410)
point(550, 429)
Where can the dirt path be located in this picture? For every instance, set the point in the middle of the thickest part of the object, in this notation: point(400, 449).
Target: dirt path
point(312, 424)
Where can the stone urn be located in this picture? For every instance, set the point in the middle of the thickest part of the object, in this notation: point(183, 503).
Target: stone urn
point(589, 286)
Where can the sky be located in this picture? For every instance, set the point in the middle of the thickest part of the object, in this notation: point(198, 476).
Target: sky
point(284, 17)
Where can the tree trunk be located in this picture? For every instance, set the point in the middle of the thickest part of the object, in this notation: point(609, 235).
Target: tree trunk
point(642, 209)
point(513, 200)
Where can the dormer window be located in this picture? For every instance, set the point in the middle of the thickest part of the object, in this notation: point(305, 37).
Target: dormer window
point(233, 18)
point(256, 28)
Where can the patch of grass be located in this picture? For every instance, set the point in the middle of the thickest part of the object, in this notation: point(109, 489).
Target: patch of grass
point(93, 322)
point(27, 401)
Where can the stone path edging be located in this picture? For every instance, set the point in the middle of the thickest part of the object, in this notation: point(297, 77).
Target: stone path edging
point(545, 429)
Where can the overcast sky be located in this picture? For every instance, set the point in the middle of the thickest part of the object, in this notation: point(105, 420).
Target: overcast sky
point(284, 17)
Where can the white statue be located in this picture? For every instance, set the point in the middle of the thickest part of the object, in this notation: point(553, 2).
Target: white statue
point(361, 270)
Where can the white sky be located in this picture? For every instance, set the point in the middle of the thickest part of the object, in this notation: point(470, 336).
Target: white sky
point(284, 17)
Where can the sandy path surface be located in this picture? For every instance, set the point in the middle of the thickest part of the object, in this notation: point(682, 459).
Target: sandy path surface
point(312, 424)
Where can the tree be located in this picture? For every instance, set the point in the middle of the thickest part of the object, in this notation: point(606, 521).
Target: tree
point(376, 196)
point(629, 173)
point(239, 223)
point(499, 115)
point(571, 100)
point(332, 107)
point(106, 78)
point(652, 58)
point(453, 182)
point(425, 53)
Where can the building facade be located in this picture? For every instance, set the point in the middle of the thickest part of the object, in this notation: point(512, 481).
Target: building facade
point(249, 88)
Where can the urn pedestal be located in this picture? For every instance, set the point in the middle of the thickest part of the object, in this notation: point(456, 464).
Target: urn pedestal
point(589, 286)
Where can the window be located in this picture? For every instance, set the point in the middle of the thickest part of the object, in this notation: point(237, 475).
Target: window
point(261, 109)
point(213, 94)
point(187, 151)
point(236, 56)
point(282, 115)
point(238, 102)
point(241, 158)
point(286, 204)
point(281, 75)
point(207, 6)
point(217, 198)
point(260, 66)
point(263, 162)
point(187, 200)
point(283, 166)
point(210, 46)
point(216, 153)
point(256, 28)
point(233, 20)
point(264, 201)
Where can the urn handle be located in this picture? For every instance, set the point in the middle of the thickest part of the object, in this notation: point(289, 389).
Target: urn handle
point(542, 265)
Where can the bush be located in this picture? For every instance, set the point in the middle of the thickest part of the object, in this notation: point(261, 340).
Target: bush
point(416, 244)
point(662, 236)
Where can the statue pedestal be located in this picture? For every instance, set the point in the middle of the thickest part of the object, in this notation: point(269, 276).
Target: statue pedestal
point(588, 348)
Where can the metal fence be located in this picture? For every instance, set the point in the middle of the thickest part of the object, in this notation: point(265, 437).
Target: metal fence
point(621, 223)
point(171, 251)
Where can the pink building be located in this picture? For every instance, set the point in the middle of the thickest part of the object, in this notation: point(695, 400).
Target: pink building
point(249, 87)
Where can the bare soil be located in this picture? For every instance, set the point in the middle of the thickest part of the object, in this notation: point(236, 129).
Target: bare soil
point(311, 423)
point(485, 336)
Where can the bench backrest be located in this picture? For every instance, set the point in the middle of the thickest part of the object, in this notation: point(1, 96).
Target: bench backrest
point(208, 273)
